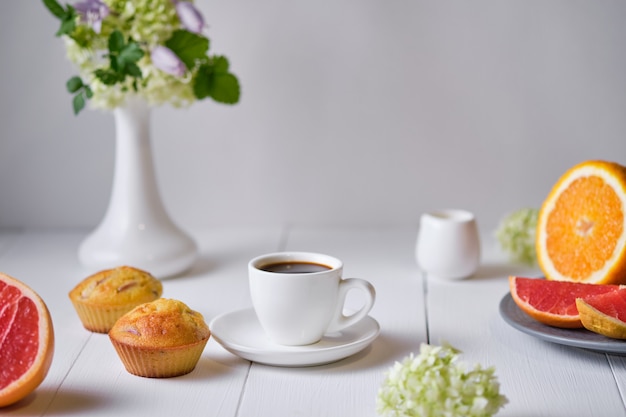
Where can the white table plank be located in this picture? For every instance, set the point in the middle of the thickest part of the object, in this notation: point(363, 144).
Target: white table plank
point(618, 366)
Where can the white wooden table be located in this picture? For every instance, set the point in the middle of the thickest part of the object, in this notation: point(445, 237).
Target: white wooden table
point(87, 378)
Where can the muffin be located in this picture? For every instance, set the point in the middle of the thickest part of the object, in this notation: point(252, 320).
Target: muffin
point(105, 296)
point(160, 339)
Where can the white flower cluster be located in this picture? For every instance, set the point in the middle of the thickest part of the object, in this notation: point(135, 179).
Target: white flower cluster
point(433, 384)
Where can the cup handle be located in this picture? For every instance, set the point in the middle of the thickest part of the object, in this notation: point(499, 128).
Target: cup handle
point(340, 321)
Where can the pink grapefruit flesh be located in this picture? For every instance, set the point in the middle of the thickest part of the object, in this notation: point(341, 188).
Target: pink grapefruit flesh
point(553, 302)
point(26, 340)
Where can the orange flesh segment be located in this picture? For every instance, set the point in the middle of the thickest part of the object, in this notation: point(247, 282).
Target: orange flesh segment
point(585, 225)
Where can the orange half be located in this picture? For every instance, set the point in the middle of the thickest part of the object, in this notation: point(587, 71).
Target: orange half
point(581, 229)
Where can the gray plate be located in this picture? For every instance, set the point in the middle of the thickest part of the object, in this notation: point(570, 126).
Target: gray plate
point(580, 338)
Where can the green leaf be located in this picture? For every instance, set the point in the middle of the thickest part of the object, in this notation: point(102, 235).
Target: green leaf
point(133, 70)
point(224, 88)
point(55, 8)
point(108, 77)
point(88, 91)
point(130, 54)
point(221, 87)
point(114, 64)
point(202, 82)
point(78, 103)
point(116, 41)
point(189, 47)
point(220, 64)
point(68, 23)
point(123, 58)
point(74, 84)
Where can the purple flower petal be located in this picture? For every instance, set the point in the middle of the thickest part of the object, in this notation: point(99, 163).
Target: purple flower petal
point(92, 12)
point(167, 61)
point(189, 16)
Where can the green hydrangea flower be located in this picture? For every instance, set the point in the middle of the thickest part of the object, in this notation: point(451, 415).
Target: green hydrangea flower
point(516, 235)
point(434, 384)
point(149, 21)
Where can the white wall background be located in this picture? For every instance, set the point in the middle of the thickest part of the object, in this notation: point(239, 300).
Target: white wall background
point(353, 112)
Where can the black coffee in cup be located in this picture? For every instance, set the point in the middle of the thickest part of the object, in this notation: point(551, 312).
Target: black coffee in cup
point(294, 267)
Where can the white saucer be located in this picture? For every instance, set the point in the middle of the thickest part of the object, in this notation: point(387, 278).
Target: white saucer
point(240, 333)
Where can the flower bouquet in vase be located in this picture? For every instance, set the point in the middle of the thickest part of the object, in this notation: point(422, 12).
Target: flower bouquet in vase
point(132, 55)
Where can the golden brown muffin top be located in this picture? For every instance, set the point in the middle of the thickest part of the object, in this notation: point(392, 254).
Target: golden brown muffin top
point(118, 286)
point(160, 323)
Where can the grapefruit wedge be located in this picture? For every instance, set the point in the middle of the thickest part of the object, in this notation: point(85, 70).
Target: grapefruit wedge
point(26, 340)
point(604, 313)
point(553, 302)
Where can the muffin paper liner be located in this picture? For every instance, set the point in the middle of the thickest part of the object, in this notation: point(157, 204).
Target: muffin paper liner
point(163, 362)
point(100, 319)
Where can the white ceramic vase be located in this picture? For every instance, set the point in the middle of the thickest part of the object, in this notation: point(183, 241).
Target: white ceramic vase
point(136, 229)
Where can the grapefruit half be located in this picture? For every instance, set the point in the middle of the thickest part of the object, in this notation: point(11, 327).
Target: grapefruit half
point(604, 313)
point(553, 302)
point(26, 340)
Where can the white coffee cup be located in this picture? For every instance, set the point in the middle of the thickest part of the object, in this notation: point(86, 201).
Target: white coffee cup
point(448, 244)
point(298, 308)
